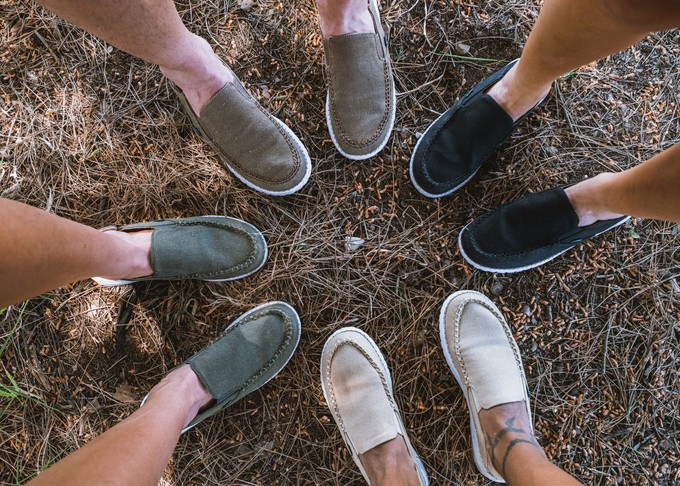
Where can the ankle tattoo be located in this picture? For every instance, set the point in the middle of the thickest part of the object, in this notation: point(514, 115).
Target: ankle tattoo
point(526, 437)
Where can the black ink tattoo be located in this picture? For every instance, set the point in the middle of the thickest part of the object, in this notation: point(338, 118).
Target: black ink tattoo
point(509, 427)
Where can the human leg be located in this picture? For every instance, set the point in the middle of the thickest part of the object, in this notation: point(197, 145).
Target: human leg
point(257, 147)
point(152, 30)
point(357, 386)
point(249, 353)
point(567, 35)
point(484, 358)
point(40, 251)
point(648, 190)
point(136, 450)
point(571, 33)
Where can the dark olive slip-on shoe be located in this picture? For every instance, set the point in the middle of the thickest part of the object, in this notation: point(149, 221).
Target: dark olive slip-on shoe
point(526, 233)
point(461, 140)
point(249, 353)
point(211, 248)
point(256, 147)
point(361, 101)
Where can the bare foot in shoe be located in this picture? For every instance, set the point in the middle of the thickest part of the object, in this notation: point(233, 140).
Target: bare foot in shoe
point(584, 197)
point(514, 98)
point(390, 463)
point(203, 76)
point(135, 260)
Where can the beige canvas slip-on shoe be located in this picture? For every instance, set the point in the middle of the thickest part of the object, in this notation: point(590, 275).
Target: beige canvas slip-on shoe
point(357, 386)
point(361, 99)
point(484, 358)
point(258, 148)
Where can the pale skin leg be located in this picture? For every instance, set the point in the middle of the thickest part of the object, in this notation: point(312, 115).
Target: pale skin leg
point(338, 17)
point(40, 251)
point(567, 35)
point(135, 451)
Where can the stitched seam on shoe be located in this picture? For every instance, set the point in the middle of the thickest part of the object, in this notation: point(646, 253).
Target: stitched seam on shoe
point(244, 264)
point(383, 121)
point(375, 366)
point(504, 325)
point(487, 215)
point(291, 145)
point(279, 351)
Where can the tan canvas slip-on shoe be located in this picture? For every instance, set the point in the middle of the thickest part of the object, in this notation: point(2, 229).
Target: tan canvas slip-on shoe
point(361, 100)
point(357, 386)
point(258, 148)
point(484, 358)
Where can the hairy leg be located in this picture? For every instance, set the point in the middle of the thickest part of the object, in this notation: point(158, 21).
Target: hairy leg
point(571, 33)
point(40, 251)
point(152, 31)
point(515, 452)
point(135, 451)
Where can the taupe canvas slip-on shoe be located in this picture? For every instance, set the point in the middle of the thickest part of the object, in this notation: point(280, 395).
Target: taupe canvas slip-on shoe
point(250, 352)
point(357, 386)
point(361, 100)
point(210, 248)
point(258, 148)
point(484, 358)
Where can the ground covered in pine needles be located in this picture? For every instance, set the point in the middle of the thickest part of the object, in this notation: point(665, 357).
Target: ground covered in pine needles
point(96, 136)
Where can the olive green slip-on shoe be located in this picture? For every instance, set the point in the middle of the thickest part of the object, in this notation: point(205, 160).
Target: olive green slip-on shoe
point(211, 248)
point(249, 353)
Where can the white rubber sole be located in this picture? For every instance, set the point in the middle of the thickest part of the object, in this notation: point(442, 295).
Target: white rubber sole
point(527, 267)
point(104, 282)
point(420, 467)
point(393, 114)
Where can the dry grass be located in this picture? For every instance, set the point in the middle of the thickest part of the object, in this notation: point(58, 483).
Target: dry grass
point(94, 135)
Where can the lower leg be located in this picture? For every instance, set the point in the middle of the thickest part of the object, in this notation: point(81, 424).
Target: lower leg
point(648, 190)
point(135, 451)
point(40, 251)
point(339, 17)
point(390, 464)
point(515, 452)
point(571, 33)
point(152, 31)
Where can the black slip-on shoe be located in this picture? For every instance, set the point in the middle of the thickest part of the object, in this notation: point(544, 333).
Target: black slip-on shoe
point(461, 140)
point(526, 233)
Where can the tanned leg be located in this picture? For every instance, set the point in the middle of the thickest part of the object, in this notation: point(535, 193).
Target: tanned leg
point(135, 451)
point(516, 454)
point(40, 251)
point(649, 190)
point(571, 33)
point(152, 31)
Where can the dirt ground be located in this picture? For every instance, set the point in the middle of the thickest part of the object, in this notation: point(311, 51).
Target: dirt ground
point(93, 135)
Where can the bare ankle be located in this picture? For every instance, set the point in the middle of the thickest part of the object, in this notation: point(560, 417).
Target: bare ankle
point(133, 255)
point(508, 427)
point(182, 385)
point(347, 17)
point(585, 197)
point(390, 463)
point(515, 98)
point(199, 73)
